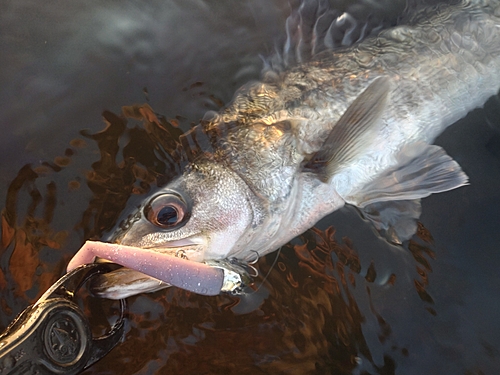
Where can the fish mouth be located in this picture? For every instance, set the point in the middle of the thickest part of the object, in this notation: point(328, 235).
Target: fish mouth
point(126, 282)
point(182, 244)
point(150, 269)
point(187, 248)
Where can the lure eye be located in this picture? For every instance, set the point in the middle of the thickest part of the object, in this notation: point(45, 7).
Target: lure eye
point(167, 211)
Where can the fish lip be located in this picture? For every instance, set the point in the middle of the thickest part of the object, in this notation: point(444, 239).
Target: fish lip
point(184, 243)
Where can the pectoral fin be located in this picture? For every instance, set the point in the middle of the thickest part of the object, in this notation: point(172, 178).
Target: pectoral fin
point(353, 133)
point(422, 170)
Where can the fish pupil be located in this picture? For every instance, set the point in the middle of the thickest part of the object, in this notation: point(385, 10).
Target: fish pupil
point(167, 216)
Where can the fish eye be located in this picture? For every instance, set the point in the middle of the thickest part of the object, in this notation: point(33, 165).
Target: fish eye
point(167, 211)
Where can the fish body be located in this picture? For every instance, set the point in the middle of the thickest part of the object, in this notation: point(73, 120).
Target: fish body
point(354, 125)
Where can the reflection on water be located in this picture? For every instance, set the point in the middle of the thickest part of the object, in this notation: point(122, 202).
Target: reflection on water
point(25, 232)
point(338, 299)
point(303, 316)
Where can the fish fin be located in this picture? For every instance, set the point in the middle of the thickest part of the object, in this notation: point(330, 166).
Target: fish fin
point(314, 27)
point(394, 220)
point(422, 170)
point(353, 132)
point(419, 9)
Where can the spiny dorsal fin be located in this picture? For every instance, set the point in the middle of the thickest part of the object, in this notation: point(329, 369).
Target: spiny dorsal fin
point(314, 27)
point(354, 132)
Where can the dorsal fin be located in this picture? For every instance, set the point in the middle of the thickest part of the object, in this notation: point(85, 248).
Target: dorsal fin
point(415, 7)
point(314, 27)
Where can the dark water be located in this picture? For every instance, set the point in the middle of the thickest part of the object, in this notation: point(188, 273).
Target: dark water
point(339, 300)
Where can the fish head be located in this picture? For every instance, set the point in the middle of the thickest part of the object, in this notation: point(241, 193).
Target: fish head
point(210, 212)
point(203, 214)
point(207, 213)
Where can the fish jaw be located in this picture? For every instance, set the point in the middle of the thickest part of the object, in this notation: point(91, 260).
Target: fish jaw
point(124, 283)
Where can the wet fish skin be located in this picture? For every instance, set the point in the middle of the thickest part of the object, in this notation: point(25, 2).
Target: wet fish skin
point(252, 193)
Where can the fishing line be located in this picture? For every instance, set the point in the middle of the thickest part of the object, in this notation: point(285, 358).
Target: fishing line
point(268, 272)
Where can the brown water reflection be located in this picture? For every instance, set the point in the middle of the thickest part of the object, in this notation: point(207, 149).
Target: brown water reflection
point(25, 235)
point(309, 310)
point(310, 322)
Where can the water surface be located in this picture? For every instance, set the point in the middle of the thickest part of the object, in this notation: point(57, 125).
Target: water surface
point(81, 84)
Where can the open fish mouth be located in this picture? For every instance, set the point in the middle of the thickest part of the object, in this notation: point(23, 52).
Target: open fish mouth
point(148, 269)
point(126, 282)
point(187, 248)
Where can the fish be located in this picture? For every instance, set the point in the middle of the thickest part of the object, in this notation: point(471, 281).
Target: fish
point(326, 125)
